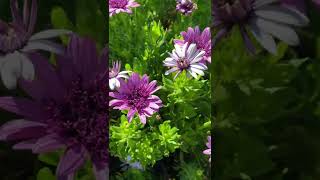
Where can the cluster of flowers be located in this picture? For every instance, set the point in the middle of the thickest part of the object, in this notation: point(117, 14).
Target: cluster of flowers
point(191, 54)
point(186, 7)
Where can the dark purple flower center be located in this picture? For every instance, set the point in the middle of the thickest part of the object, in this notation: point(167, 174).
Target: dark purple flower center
point(186, 5)
point(183, 64)
point(82, 119)
point(137, 99)
point(224, 2)
point(118, 3)
point(12, 37)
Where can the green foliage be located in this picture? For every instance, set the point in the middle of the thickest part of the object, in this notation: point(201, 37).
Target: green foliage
point(191, 172)
point(145, 145)
point(89, 20)
point(45, 174)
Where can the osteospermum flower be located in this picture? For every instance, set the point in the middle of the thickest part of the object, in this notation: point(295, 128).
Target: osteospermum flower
point(186, 7)
point(186, 58)
point(208, 151)
point(202, 40)
point(67, 110)
point(118, 6)
point(17, 42)
point(136, 96)
point(266, 19)
point(115, 75)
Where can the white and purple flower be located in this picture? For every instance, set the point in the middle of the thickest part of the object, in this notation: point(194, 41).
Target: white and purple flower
point(208, 151)
point(186, 7)
point(136, 96)
point(201, 39)
point(17, 42)
point(186, 58)
point(115, 74)
point(118, 6)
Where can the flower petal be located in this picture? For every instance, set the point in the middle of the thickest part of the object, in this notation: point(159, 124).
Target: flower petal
point(282, 14)
point(21, 129)
point(51, 33)
point(282, 32)
point(44, 45)
point(47, 144)
point(71, 161)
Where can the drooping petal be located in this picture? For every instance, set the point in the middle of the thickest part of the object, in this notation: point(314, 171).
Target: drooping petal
point(43, 45)
point(21, 129)
point(51, 33)
point(282, 32)
point(101, 173)
point(71, 161)
point(25, 145)
point(46, 144)
point(283, 15)
point(33, 16)
point(266, 40)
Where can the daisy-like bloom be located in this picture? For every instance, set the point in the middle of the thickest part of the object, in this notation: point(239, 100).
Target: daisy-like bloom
point(208, 151)
point(17, 42)
point(67, 109)
point(186, 7)
point(115, 75)
point(136, 96)
point(266, 19)
point(186, 58)
point(202, 40)
point(118, 6)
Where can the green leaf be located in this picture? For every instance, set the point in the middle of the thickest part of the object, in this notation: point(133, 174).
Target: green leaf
point(45, 174)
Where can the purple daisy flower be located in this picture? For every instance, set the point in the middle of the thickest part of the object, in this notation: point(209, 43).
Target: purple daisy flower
point(115, 75)
point(17, 41)
point(118, 6)
point(202, 40)
point(266, 19)
point(208, 151)
point(136, 96)
point(186, 58)
point(71, 116)
point(186, 7)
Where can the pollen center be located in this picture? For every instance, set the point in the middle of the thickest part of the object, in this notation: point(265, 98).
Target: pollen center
point(82, 119)
point(118, 3)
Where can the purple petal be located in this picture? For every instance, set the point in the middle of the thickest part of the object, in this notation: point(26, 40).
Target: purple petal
point(22, 106)
point(26, 13)
point(33, 16)
point(130, 114)
point(25, 145)
point(142, 118)
point(48, 77)
point(46, 144)
point(247, 40)
point(15, 11)
point(71, 161)
point(101, 174)
point(21, 129)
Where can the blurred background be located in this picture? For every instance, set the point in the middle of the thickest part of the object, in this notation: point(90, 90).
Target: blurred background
point(266, 108)
point(87, 18)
